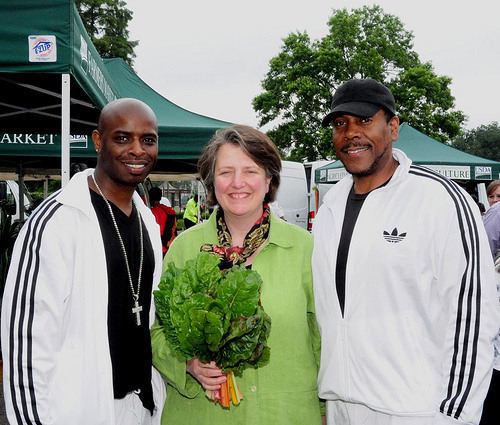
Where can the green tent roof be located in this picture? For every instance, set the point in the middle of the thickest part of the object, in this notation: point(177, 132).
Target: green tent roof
point(45, 39)
point(42, 39)
point(425, 150)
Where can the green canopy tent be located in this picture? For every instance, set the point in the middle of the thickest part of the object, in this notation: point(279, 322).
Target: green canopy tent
point(424, 150)
point(52, 82)
point(44, 51)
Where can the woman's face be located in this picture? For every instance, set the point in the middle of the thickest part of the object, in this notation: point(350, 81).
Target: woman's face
point(494, 196)
point(240, 183)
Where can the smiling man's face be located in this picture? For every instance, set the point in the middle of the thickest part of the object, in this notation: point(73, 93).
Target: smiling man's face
point(128, 145)
point(364, 145)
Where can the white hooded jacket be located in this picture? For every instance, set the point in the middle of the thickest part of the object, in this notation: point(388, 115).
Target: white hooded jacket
point(57, 365)
point(420, 299)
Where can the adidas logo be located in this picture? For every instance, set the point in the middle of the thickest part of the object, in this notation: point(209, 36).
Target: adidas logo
point(394, 237)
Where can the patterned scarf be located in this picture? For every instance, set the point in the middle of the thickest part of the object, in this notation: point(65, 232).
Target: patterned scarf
point(234, 255)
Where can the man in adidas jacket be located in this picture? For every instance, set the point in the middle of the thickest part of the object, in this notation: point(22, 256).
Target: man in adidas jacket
point(404, 284)
point(55, 341)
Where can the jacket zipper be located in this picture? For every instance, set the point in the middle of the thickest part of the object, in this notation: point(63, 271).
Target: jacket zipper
point(344, 359)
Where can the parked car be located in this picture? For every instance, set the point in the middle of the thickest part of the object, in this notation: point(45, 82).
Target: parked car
point(10, 200)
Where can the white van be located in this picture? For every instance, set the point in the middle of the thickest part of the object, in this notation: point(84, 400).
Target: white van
point(293, 196)
point(314, 203)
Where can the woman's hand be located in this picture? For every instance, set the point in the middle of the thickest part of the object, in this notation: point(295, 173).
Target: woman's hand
point(209, 375)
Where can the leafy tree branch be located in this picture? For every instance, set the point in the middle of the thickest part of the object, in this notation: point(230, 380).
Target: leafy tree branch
point(361, 43)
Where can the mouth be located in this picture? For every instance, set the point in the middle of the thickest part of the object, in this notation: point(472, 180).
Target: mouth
point(239, 195)
point(136, 167)
point(354, 150)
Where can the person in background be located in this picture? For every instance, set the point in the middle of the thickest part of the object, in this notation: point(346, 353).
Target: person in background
point(493, 192)
point(490, 407)
point(240, 168)
point(191, 213)
point(165, 217)
point(78, 305)
point(491, 221)
point(403, 280)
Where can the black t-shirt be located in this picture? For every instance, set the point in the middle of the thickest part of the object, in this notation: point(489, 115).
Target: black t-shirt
point(352, 209)
point(130, 345)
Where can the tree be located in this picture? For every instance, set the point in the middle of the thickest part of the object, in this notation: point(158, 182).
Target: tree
point(366, 42)
point(424, 101)
point(106, 22)
point(483, 141)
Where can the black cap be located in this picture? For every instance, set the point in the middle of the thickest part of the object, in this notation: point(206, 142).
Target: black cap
point(361, 98)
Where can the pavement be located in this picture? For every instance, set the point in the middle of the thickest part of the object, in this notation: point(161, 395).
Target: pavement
point(3, 417)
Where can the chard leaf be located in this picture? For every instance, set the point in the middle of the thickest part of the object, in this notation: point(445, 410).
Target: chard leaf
point(240, 290)
point(168, 277)
point(262, 353)
point(201, 323)
point(162, 301)
point(241, 342)
point(207, 272)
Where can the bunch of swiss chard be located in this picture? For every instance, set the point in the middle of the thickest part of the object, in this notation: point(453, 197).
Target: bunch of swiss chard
point(216, 316)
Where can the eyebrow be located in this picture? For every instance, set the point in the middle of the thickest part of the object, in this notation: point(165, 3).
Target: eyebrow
point(232, 167)
point(128, 133)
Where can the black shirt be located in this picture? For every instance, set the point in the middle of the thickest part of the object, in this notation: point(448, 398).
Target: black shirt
point(352, 209)
point(130, 345)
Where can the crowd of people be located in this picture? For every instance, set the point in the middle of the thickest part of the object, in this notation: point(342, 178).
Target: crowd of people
point(388, 314)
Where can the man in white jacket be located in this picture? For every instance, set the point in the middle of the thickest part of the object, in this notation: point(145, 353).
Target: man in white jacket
point(78, 302)
point(404, 282)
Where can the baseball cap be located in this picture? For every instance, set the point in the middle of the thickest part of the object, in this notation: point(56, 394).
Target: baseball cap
point(361, 98)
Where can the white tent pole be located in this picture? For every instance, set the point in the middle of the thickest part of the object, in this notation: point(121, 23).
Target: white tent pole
point(65, 158)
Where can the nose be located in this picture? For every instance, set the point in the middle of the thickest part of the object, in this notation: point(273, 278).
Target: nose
point(352, 130)
point(136, 148)
point(237, 181)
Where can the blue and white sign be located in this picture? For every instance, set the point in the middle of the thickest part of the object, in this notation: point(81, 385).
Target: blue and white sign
point(483, 172)
point(42, 48)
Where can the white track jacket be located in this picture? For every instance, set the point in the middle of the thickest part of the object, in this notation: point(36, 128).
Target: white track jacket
point(421, 308)
point(57, 366)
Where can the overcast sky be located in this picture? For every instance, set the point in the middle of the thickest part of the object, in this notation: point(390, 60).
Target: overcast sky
point(209, 57)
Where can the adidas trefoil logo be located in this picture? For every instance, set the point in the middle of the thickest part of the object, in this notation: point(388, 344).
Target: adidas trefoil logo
point(394, 237)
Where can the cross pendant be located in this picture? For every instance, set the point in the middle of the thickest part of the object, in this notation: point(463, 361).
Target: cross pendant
point(137, 311)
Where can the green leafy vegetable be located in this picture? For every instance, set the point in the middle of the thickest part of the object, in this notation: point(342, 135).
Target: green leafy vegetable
point(214, 315)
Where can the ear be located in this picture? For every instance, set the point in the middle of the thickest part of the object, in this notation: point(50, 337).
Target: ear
point(268, 183)
point(97, 139)
point(394, 126)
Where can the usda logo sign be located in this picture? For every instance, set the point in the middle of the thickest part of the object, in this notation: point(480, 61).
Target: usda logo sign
point(482, 173)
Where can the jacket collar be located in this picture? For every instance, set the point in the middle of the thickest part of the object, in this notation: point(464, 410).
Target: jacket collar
point(344, 186)
point(77, 195)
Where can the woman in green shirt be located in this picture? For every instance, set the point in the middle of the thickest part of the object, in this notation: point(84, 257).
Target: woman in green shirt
point(241, 171)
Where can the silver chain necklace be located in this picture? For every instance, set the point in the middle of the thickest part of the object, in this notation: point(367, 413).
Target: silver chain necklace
point(135, 295)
